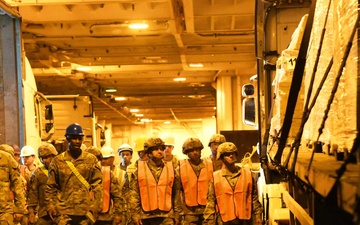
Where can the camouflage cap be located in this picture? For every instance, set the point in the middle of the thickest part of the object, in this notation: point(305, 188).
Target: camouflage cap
point(217, 138)
point(95, 151)
point(153, 142)
point(225, 147)
point(46, 149)
point(8, 149)
point(192, 143)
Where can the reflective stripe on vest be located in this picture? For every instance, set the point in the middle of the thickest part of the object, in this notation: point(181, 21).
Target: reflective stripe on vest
point(235, 203)
point(195, 188)
point(106, 188)
point(155, 195)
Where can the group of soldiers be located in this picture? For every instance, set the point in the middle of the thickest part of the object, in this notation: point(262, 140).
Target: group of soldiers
point(83, 186)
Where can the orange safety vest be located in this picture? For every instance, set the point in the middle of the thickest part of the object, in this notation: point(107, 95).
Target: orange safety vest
point(106, 188)
point(237, 202)
point(155, 195)
point(195, 188)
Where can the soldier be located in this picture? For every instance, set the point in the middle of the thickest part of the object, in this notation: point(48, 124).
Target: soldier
point(37, 186)
point(169, 147)
point(72, 175)
point(13, 204)
point(112, 204)
point(195, 176)
point(139, 148)
point(16, 152)
point(8, 149)
point(28, 158)
point(233, 191)
point(125, 152)
point(214, 142)
point(154, 194)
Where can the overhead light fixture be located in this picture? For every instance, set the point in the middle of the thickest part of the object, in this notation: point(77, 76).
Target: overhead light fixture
point(138, 26)
point(134, 110)
point(139, 115)
point(145, 120)
point(83, 68)
point(196, 65)
point(120, 98)
point(167, 122)
point(177, 79)
point(110, 90)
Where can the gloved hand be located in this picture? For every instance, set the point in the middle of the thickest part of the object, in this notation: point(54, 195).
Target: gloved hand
point(52, 212)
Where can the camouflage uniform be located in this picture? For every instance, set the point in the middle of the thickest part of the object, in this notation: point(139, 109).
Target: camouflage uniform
point(117, 206)
point(157, 216)
point(68, 194)
point(210, 215)
point(10, 178)
point(36, 197)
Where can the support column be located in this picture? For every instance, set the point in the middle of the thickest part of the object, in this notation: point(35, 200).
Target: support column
point(224, 104)
point(10, 89)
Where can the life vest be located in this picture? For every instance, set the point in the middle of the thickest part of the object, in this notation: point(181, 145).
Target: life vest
point(155, 195)
point(106, 188)
point(237, 202)
point(195, 187)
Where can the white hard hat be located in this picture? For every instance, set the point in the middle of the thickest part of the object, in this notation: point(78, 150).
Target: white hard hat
point(125, 147)
point(27, 150)
point(169, 140)
point(107, 152)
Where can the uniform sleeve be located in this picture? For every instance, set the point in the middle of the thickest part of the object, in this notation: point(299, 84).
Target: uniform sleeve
point(97, 186)
point(17, 187)
point(257, 207)
point(134, 197)
point(52, 186)
point(209, 212)
point(176, 196)
point(33, 191)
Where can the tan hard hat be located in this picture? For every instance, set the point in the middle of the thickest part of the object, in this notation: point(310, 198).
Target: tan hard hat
point(169, 140)
point(125, 147)
point(107, 152)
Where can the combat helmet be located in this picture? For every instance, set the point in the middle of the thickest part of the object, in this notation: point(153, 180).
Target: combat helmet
point(226, 147)
point(8, 149)
point(95, 151)
point(192, 143)
point(217, 138)
point(46, 149)
point(153, 142)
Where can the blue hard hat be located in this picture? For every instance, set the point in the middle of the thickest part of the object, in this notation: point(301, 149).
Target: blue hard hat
point(74, 129)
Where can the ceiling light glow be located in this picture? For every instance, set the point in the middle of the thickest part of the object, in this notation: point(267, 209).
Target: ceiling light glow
point(138, 26)
point(180, 79)
point(196, 65)
point(83, 68)
point(120, 98)
point(134, 110)
point(139, 115)
point(110, 90)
